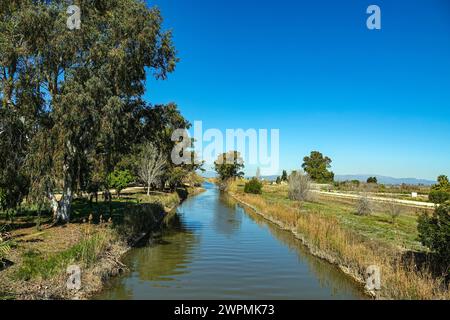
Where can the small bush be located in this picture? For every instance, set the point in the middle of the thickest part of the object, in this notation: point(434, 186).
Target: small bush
point(254, 186)
point(364, 206)
point(299, 186)
point(434, 231)
point(438, 196)
point(394, 210)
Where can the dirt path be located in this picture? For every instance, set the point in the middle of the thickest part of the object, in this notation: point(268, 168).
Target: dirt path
point(410, 203)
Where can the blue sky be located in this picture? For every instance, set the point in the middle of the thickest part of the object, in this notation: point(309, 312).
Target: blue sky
point(373, 101)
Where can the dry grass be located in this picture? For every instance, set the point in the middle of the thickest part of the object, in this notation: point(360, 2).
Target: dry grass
point(329, 239)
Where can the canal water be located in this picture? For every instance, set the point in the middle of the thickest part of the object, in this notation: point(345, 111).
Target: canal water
point(212, 248)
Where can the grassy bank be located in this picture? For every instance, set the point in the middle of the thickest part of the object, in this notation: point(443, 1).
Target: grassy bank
point(96, 238)
point(334, 232)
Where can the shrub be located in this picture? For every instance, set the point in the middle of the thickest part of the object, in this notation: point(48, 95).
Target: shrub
point(434, 231)
point(364, 206)
point(119, 180)
point(253, 186)
point(299, 186)
point(372, 180)
point(438, 196)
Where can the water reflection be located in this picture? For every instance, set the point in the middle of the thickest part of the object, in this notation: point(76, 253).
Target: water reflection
point(328, 275)
point(211, 248)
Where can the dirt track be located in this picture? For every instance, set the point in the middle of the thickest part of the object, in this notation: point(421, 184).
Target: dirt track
point(410, 203)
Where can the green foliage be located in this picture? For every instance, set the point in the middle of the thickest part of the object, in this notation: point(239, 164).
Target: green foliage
point(316, 166)
point(5, 246)
point(229, 166)
point(284, 176)
point(278, 181)
point(373, 180)
point(175, 177)
point(254, 186)
point(356, 182)
point(71, 100)
point(434, 231)
point(119, 180)
point(443, 183)
point(438, 196)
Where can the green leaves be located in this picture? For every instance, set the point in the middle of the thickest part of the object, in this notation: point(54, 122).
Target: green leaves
point(229, 165)
point(120, 179)
point(434, 232)
point(78, 91)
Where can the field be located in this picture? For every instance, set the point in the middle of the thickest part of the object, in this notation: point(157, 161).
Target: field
point(332, 230)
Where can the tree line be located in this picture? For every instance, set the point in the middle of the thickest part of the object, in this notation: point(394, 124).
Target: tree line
point(72, 114)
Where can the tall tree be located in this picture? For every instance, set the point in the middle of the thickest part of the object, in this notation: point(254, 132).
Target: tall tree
point(316, 166)
point(87, 85)
point(229, 166)
point(284, 176)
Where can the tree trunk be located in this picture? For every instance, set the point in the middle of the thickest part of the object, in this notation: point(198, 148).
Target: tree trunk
point(64, 206)
point(148, 189)
point(61, 209)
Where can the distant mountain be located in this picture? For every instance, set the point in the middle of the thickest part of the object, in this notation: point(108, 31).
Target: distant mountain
point(384, 179)
point(360, 177)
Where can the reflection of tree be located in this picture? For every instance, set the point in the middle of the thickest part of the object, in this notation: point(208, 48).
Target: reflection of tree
point(169, 256)
point(327, 274)
point(166, 260)
point(120, 291)
point(226, 221)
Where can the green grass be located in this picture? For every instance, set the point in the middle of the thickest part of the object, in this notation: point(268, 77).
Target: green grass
point(86, 252)
point(378, 226)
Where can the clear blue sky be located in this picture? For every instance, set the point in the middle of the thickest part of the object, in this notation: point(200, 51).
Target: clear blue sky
point(374, 101)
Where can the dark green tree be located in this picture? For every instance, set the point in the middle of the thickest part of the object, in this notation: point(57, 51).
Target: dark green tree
point(119, 180)
point(229, 166)
point(434, 232)
point(284, 176)
point(254, 186)
point(316, 166)
point(78, 91)
point(372, 180)
point(442, 185)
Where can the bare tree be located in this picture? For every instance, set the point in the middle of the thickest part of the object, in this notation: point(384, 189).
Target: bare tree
point(299, 186)
point(151, 164)
point(364, 206)
point(394, 209)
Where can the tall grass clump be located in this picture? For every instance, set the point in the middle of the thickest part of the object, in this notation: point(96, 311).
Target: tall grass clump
point(85, 253)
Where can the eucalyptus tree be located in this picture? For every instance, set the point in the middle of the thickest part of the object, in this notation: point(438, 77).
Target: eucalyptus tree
point(88, 83)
